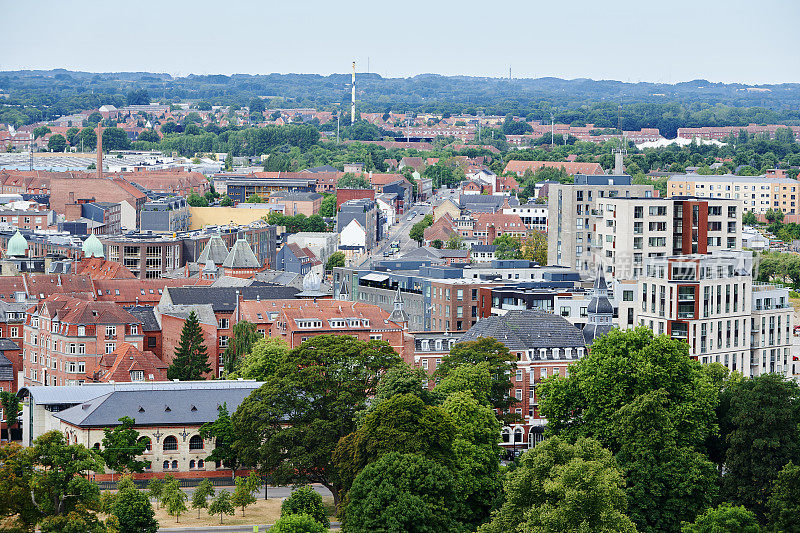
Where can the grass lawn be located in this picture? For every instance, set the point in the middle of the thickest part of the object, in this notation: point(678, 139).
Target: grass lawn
point(261, 512)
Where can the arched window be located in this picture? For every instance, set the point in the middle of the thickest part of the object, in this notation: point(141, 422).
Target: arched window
point(165, 466)
point(96, 446)
point(196, 443)
point(147, 441)
point(518, 433)
point(200, 463)
point(506, 435)
point(170, 444)
point(191, 463)
point(174, 465)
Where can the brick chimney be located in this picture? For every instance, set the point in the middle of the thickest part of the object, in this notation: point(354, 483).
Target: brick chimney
point(99, 150)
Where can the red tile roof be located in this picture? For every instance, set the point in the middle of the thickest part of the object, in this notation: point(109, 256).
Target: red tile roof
point(43, 285)
point(118, 365)
point(570, 168)
point(99, 268)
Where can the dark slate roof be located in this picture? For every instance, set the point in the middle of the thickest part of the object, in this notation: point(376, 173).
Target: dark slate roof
point(223, 299)
point(6, 369)
point(592, 331)
point(7, 345)
point(147, 317)
point(490, 248)
point(154, 407)
point(527, 330)
point(323, 168)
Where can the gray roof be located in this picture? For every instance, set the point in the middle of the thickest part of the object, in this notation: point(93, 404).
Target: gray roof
point(147, 317)
point(8, 344)
point(74, 394)
point(487, 248)
point(215, 250)
point(527, 330)
point(296, 196)
point(224, 298)
point(155, 407)
point(205, 312)
point(6, 369)
point(241, 256)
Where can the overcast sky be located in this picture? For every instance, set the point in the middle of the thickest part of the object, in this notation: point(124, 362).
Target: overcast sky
point(744, 41)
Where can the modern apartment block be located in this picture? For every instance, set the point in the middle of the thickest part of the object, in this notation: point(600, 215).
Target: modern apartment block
point(629, 230)
point(759, 193)
point(570, 225)
point(711, 302)
point(165, 215)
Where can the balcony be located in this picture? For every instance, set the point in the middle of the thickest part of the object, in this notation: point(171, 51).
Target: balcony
point(686, 315)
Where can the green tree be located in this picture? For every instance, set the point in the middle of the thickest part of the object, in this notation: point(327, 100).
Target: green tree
point(256, 105)
point(196, 200)
point(243, 494)
point(455, 242)
point(749, 219)
point(267, 354)
point(242, 341)
point(417, 231)
point(563, 487)
point(221, 505)
point(40, 131)
point(298, 523)
point(724, 519)
point(291, 424)
point(621, 366)
point(353, 181)
point(201, 494)
point(477, 455)
point(57, 143)
point(473, 379)
point(155, 488)
point(17, 508)
point(760, 430)
point(668, 484)
point(402, 492)
point(11, 409)
point(191, 356)
point(403, 379)
point(121, 447)
point(115, 139)
point(174, 499)
point(335, 260)
point(784, 502)
point(492, 352)
point(534, 247)
point(59, 484)
point(305, 500)
point(228, 167)
point(226, 201)
point(402, 424)
point(133, 511)
point(254, 199)
point(222, 431)
point(437, 243)
point(328, 206)
point(508, 247)
point(78, 520)
point(148, 136)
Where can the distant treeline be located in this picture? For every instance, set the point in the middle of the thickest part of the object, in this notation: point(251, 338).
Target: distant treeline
point(39, 95)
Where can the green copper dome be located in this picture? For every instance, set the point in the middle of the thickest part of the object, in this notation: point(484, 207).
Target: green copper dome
point(17, 245)
point(92, 247)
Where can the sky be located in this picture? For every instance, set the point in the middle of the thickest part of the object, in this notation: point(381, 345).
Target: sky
point(669, 41)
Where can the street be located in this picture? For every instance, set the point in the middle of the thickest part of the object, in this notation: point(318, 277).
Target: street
point(399, 232)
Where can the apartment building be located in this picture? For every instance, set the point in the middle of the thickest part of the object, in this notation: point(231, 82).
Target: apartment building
point(629, 230)
point(758, 193)
point(570, 228)
point(533, 215)
point(711, 302)
point(165, 215)
point(64, 339)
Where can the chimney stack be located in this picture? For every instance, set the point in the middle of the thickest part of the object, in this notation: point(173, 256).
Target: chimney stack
point(99, 150)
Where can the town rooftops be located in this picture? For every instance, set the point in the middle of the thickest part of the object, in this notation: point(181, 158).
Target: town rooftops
point(527, 330)
point(223, 299)
point(241, 256)
point(731, 178)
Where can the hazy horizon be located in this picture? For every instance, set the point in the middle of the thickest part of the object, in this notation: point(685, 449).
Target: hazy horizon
point(667, 42)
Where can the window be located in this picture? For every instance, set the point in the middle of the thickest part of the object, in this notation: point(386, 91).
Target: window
point(460, 294)
point(196, 443)
point(518, 394)
point(137, 375)
point(375, 337)
point(165, 465)
point(149, 444)
point(151, 342)
point(111, 332)
point(134, 329)
point(627, 296)
point(14, 331)
point(110, 347)
point(174, 465)
point(171, 445)
point(223, 341)
point(224, 323)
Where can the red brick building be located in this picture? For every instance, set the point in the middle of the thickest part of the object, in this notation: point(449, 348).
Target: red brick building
point(65, 337)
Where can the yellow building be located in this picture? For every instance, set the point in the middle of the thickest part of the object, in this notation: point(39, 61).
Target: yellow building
point(759, 193)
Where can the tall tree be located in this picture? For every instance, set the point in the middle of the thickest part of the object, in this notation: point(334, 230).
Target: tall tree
point(241, 344)
point(221, 505)
point(784, 502)
point(56, 143)
point(201, 494)
point(725, 518)
point(621, 366)
point(290, 426)
point(191, 355)
point(402, 492)
point(564, 487)
point(761, 431)
point(353, 181)
point(492, 352)
point(121, 447)
point(174, 499)
point(222, 431)
point(11, 409)
point(243, 494)
point(267, 354)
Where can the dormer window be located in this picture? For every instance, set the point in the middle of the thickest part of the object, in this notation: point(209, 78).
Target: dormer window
point(137, 375)
point(81, 331)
